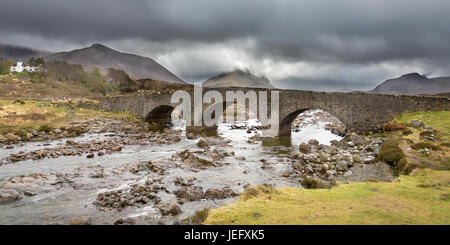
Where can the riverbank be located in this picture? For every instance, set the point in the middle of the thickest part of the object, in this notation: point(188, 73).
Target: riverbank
point(419, 196)
point(111, 168)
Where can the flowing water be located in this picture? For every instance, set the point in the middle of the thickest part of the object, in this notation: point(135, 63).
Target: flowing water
point(61, 202)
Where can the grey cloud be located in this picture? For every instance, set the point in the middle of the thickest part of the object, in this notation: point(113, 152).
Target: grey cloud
point(344, 32)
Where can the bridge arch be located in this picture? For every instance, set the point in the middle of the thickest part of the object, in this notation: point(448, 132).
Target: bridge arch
point(286, 121)
point(160, 113)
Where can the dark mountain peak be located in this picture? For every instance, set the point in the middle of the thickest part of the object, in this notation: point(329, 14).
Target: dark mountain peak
point(100, 46)
point(413, 83)
point(414, 75)
point(241, 71)
point(103, 57)
point(238, 78)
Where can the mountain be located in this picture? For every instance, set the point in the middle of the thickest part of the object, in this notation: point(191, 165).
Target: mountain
point(238, 78)
point(414, 83)
point(18, 53)
point(97, 55)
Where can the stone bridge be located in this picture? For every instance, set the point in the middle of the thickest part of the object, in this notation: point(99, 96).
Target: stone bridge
point(360, 112)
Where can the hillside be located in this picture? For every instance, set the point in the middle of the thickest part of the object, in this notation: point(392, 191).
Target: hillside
point(97, 55)
point(14, 88)
point(238, 78)
point(414, 83)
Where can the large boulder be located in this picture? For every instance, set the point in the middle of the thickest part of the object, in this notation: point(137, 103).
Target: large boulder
point(12, 137)
point(336, 143)
point(316, 183)
point(304, 148)
point(356, 139)
point(347, 157)
point(174, 209)
point(342, 165)
point(201, 160)
point(190, 193)
point(203, 143)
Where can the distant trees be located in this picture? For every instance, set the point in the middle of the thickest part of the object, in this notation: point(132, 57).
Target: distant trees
point(73, 73)
point(119, 79)
point(5, 65)
point(36, 61)
point(96, 82)
point(63, 71)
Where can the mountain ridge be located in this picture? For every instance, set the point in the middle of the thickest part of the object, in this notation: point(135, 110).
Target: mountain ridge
point(103, 57)
point(413, 84)
point(238, 78)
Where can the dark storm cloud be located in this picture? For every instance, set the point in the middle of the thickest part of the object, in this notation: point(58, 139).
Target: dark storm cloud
point(336, 32)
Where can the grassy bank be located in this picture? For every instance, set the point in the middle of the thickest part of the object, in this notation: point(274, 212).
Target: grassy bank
point(439, 120)
point(421, 197)
point(32, 114)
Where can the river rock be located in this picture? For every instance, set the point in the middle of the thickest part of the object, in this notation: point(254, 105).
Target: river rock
point(324, 157)
point(2, 139)
point(116, 148)
point(416, 124)
point(346, 157)
point(313, 142)
point(200, 159)
point(219, 194)
point(81, 221)
point(356, 139)
point(330, 173)
point(240, 158)
point(8, 197)
point(347, 173)
point(311, 157)
point(174, 209)
point(425, 151)
point(34, 132)
point(203, 143)
point(336, 143)
point(304, 148)
point(12, 137)
point(126, 221)
point(97, 174)
point(342, 165)
point(369, 160)
point(190, 193)
point(182, 181)
point(28, 136)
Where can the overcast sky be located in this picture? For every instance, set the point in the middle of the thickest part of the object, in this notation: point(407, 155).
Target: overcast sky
point(308, 44)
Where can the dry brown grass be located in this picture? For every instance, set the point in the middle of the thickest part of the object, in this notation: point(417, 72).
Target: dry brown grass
point(14, 88)
point(393, 126)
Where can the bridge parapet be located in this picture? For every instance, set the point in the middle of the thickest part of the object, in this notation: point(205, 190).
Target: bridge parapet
point(360, 112)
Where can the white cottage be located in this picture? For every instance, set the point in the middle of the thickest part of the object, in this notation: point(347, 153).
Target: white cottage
point(20, 67)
